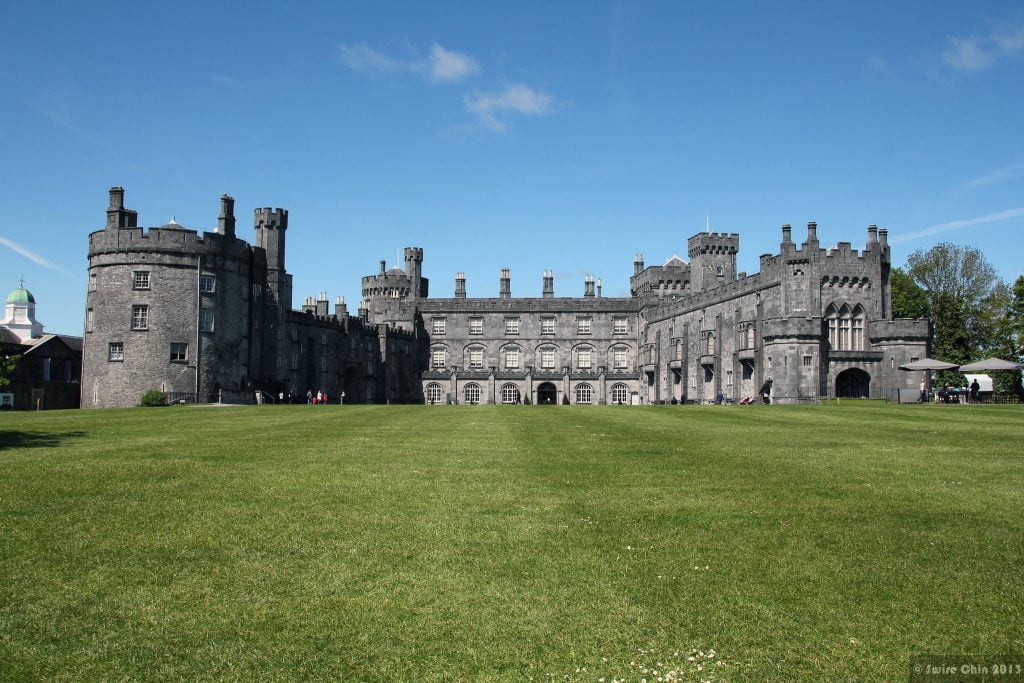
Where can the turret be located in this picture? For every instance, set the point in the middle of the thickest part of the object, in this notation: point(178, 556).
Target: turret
point(414, 268)
point(226, 219)
point(271, 225)
point(712, 259)
point(548, 285)
point(505, 285)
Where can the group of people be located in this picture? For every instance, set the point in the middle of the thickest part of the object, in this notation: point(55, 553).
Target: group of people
point(948, 394)
point(319, 398)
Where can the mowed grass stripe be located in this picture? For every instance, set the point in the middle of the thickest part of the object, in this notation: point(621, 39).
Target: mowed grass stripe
point(489, 542)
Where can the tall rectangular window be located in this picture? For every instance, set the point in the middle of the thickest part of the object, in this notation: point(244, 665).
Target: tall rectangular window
point(512, 359)
point(476, 325)
point(438, 325)
point(476, 358)
point(140, 317)
point(243, 355)
point(437, 358)
point(179, 352)
point(323, 363)
point(619, 358)
point(547, 358)
point(206, 319)
point(140, 279)
point(511, 325)
point(583, 357)
point(207, 283)
point(547, 325)
point(620, 326)
point(88, 320)
point(583, 325)
point(295, 360)
point(115, 351)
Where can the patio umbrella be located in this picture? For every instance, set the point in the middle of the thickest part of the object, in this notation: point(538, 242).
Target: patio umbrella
point(929, 364)
point(990, 365)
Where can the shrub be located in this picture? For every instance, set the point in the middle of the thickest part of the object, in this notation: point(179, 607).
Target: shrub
point(153, 398)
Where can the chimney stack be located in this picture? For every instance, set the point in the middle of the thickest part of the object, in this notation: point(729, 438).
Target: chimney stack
point(505, 285)
point(812, 233)
point(872, 234)
point(340, 308)
point(598, 288)
point(226, 220)
point(549, 284)
point(638, 263)
point(787, 233)
point(588, 285)
point(460, 285)
point(883, 237)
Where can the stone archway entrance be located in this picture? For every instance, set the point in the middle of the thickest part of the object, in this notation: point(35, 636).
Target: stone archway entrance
point(853, 383)
point(547, 394)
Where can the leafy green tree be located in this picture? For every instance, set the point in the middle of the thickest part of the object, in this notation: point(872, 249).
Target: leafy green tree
point(1009, 339)
point(909, 300)
point(7, 366)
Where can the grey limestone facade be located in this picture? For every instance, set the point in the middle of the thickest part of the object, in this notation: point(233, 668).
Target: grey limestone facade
point(207, 316)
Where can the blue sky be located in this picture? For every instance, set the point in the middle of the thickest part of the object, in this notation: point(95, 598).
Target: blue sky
point(563, 136)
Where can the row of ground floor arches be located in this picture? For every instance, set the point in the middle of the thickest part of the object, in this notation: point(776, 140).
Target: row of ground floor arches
point(541, 393)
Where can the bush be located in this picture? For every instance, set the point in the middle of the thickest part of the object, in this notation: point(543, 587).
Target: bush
point(153, 398)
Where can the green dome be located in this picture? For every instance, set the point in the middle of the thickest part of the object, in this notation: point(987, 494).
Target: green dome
point(20, 296)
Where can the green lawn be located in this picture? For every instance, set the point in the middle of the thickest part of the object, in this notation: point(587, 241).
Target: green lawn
point(412, 542)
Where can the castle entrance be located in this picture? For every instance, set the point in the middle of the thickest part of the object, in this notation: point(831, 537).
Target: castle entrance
point(547, 394)
point(853, 383)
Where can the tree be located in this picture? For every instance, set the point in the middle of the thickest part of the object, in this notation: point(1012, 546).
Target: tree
point(908, 299)
point(7, 365)
point(1009, 338)
point(961, 288)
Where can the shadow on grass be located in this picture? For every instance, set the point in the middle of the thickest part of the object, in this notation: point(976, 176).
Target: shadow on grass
point(13, 439)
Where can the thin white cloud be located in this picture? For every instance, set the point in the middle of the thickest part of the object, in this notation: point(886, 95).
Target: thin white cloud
point(225, 81)
point(439, 66)
point(997, 175)
point(446, 65)
point(958, 225)
point(978, 52)
point(31, 255)
point(516, 98)
point(59, 114)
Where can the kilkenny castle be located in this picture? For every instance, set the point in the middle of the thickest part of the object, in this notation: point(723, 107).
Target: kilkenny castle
point(207, 316)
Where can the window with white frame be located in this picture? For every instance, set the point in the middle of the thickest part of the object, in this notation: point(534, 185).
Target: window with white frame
point(619, 358)
point(583, 325)
point(547, 358)
point(207, 319)
point(438, 357)
point(584, 393)
point(512, 358)
point(509, 394)
point(583, 359)
point(434, 393)
point(115, 351)
point(472, 393)
point(620, 326)
point(140, 279)
point(511, 325)
point(438, 325)
point(476, 358)
point(845, 327)
point(207, 283)
point(476, 325)
point(620, 394)
point(140, 317)
point(179, 352)
point(547, 325)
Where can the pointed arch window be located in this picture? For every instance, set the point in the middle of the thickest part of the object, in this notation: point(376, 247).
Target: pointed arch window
point(845, 327)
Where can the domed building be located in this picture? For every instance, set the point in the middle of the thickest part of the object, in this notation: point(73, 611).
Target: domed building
point(48, 374)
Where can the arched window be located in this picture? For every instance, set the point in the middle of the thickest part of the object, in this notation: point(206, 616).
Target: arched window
point(509, 394)
point(434, 393)
point(472, 393)
point(584, 393)
point(620, 394)
point(845, 327)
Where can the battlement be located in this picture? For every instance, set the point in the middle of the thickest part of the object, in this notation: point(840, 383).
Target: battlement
point(270, 218)
point(168, 240)
point(667, 307)
point(528, 305)
point(713, 243)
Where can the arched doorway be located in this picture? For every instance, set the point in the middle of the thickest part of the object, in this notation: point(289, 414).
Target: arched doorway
point(853, 383)
point(547, 394)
